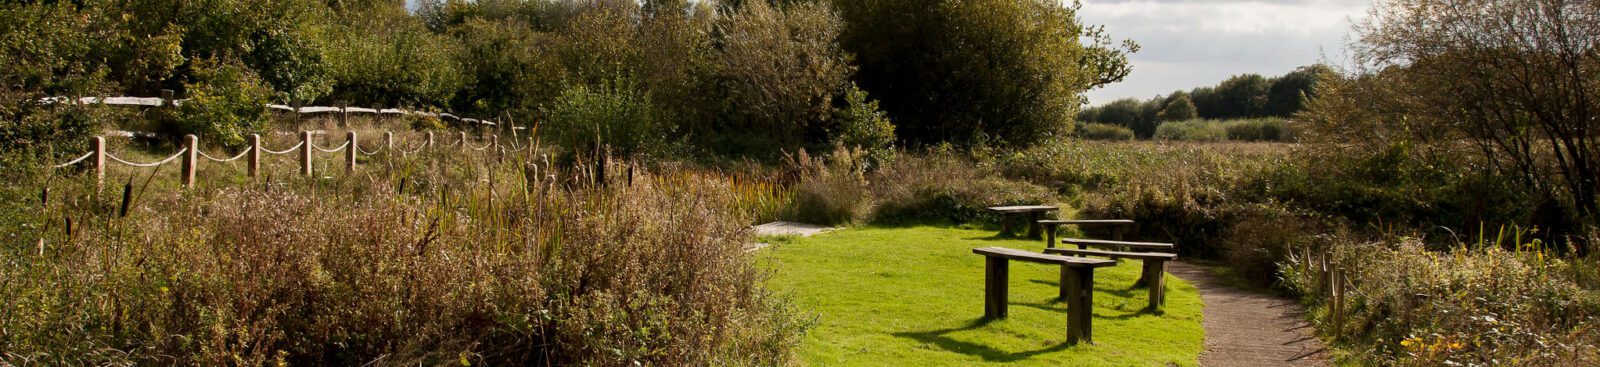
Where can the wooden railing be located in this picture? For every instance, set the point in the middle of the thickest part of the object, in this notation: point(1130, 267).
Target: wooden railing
point(191, 155)
point(343, 109)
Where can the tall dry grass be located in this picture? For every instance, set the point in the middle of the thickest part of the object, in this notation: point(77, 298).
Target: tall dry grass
point(445, 257)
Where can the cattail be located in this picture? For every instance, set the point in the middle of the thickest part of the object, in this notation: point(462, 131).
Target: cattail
point(127, 199)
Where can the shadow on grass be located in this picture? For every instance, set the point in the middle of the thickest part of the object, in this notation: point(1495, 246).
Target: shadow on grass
point(988, 353)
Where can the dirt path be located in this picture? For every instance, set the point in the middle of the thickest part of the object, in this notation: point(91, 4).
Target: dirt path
point(1245, 328)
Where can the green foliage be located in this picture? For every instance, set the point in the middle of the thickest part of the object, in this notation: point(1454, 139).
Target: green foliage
point(781, 68)
point(1290, 92)
point(1179, 108)
point(860, 124)
point(616, 115)
point(952, 71)
point(1258, 129)
point(831, 191)
point(1192, 130)
point(226, 105)
point(1105, 132)
point(386, 56)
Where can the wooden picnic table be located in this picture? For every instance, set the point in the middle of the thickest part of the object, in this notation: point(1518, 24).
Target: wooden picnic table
point(1034, 212)
point(1119, 226)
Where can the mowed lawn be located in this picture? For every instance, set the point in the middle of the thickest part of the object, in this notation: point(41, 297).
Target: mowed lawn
point(914, 297)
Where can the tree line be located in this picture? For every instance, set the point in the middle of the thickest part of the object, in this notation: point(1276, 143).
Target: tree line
point(724, 77)
point(1243, 96)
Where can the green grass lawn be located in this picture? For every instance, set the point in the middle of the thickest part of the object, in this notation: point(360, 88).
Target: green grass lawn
point(914, 297)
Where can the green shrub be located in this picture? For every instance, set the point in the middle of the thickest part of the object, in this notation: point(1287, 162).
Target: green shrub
point(1096, 131)
point(226, 105)
point(861, 124)
point(1259, 129)
point(1192, 130)
point(615, 115)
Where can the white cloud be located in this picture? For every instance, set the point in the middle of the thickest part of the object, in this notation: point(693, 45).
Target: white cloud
point(1194, 43)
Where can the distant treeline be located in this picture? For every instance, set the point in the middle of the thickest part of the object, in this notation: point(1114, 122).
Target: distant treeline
point(1246, 96)
point(726, 77)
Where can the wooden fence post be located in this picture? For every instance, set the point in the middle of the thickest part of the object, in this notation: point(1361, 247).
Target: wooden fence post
point(350, 153)
point(377, 114)
point(464, 141)
point(253, 159)
point(190, 158)
point(430, 140)
point(99, 160)
point(344, 114)
point(167, 97)
point(305, 153)
point(298, 104)
point(388, 140)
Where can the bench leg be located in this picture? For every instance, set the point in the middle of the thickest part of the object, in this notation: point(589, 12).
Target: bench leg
point(1005, 226)
point(1080, 305)
point(1050, 236)
point(1155, 278)
point(994, 288)
point(1033, 224)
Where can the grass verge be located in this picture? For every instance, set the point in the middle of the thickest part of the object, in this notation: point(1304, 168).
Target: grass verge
point(914, 296)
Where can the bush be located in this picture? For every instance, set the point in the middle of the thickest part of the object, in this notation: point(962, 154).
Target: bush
point(614, 115)
point(832, 191)
point(1105, 132)
point(860, 124)
point(1192, 130)
point(947, 188)
point(1259, 129)
point(228, 104)
point(1483, 304)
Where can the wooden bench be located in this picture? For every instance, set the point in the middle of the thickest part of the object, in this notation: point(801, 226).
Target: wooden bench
point(1077, 286)
point(1034, 212)
point(1153, 277)
point(1084, 244)
point(1119, 225)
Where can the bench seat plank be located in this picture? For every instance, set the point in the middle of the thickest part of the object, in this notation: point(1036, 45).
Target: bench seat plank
point(1139, 245)
point(1114, 254)
point(1034, 257)
point(1087, 221)
point(1023, 209)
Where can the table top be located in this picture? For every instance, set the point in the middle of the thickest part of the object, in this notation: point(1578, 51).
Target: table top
point(1023, 208)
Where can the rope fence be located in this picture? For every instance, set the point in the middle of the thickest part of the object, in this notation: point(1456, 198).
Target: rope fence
point(190, 155)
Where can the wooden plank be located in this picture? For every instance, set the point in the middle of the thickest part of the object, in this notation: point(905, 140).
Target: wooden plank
point(1023, 209)
point(1105, 243)
point(318, 109)
point(1088, 221)
point(1034, 257)
point(1113, 254)
point(359, 110)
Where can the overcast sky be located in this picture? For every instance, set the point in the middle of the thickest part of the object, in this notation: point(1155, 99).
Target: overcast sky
point(1191, 43)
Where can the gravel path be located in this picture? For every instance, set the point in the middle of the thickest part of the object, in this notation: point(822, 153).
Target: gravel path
point(1245, 328)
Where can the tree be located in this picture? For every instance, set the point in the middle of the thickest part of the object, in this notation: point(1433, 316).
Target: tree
point(1242, 96)
point(1289, 93)
point(1518, 78)
point(781, 68)
point(1178, 109)
point(954, 70)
